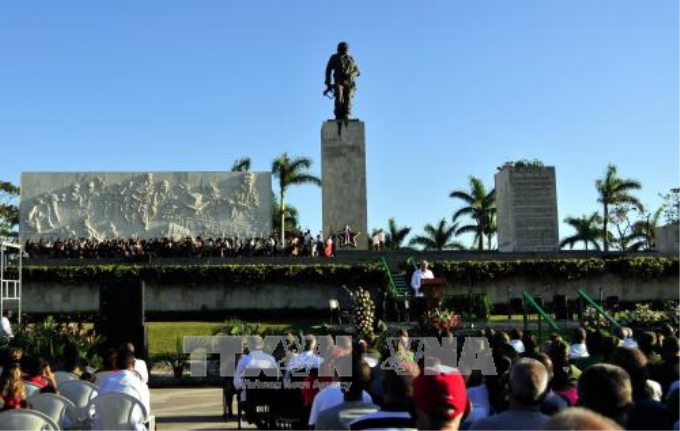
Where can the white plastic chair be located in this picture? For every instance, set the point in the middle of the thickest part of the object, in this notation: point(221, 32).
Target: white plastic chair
point(64, 376)
point(31, 389)
point(23, 419)
point(80, 393)
point(117, 411)
point(60, 409)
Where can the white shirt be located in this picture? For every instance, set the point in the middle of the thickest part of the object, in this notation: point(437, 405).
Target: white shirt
point(518, 345)
point(6, 329)
point(578, 350)
point(417, 278)
point(305, 360)
point(127, 382)
point(328, 397)
point(256, 359)
point(142, 369)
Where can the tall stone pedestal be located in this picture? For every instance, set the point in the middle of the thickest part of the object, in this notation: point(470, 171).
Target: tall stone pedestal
point(526, 205)
point(667, 238)
point(343, 172)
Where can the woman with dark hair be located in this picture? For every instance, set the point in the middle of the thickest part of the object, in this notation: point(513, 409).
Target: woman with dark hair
point(38, 371)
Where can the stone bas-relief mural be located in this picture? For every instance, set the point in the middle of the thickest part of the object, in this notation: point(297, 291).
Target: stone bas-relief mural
point(145, 205)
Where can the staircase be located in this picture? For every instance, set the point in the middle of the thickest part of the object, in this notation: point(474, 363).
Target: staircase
point(398, 295)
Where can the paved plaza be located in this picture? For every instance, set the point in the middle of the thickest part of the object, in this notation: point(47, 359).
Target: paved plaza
point(190, 409)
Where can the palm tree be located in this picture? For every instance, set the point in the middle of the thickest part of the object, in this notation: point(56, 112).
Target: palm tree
point(588, 229)
point(395, 235)
point(241, 165)
point(481, 208)
point(439, 237)
point(612, 190)
point(292, 215)
point(643, 237)
point(291, 172)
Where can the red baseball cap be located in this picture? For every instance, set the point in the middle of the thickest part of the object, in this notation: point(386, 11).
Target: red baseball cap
point(440, 389)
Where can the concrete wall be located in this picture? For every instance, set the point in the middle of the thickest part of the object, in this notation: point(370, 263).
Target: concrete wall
point(83, 297)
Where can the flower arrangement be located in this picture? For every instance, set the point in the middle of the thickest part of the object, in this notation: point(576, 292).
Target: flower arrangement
point(441, 319)
point(592, 319)
point(643, 316)
point(363, 310)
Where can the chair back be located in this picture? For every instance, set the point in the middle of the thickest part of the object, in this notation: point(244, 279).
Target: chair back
point(60, 409)
point(24, 419)
point(117, 411)
point(80, 393)
point(31, 389)
point(64, 376)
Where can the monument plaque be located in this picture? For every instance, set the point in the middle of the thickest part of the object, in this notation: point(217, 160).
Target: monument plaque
point(526, 205)
point(100, 205)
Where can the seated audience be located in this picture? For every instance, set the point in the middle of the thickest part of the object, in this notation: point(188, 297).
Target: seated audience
point(526, 388)
point(578, 348)
point(440, 398)
point(38, 371)
point(396, 411)
point(607, 390)
point(333, 413)
point(13, 393)
point(578, 418)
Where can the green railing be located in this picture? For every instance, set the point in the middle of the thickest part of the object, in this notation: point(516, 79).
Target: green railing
point(601, 311)
point(391, 287)
point(529, 299)
point(413, 263)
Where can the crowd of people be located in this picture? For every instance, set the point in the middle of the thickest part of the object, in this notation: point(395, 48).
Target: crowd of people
point(593, 381)
point(123, 373)
point(302, 244)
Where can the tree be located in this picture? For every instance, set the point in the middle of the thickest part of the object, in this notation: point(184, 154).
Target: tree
point(439, 237)
point(9, 211)
point(588, 230)
point(395, 235)
point(643, 236)
point(291, 172)
point(241, 165)
point(481, 208)
point(671, 206)
point(292, 216)
point(614, 190)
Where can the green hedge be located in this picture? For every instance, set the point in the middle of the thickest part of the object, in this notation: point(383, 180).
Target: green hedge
point(463, 272)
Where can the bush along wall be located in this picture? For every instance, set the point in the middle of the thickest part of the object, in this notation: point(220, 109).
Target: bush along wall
point(463, 272)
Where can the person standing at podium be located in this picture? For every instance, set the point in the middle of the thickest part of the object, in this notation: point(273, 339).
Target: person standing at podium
point(418, 276)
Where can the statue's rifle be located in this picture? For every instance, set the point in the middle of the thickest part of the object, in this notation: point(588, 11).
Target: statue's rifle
point(329, 92)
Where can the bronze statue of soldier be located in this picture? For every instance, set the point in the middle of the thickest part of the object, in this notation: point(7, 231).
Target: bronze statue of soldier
point(344, 69)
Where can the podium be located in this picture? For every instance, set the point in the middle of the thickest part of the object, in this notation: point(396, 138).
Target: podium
point(433, 289)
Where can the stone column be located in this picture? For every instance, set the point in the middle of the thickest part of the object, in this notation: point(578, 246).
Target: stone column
point(526, 205)
point(667, 238)
point(343, 172)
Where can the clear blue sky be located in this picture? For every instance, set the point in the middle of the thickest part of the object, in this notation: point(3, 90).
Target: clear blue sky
point(448, 89)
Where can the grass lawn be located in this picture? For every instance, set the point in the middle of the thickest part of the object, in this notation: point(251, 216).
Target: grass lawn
point(162, 334)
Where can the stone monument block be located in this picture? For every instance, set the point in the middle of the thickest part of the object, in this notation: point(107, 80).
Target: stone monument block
point(667, 238)
point(145, 205)
point(526, 205)
point(343, 171)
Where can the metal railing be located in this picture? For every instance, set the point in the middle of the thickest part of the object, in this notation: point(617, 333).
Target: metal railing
point(391, 287)
point(583, 296)
point(529, 299)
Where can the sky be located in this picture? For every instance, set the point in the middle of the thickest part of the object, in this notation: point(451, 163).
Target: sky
point(448, 89)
